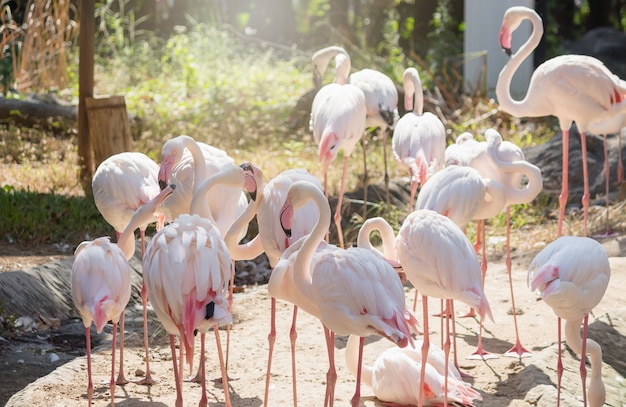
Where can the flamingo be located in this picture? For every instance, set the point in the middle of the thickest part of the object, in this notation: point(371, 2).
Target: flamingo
point(440, 261)
point(419, 139)
point(503, 162)
point(120, 185)
point(101, 282)
point(574, 88)
point(338, 122)
point(185, 160)
point(572, 274)
point(187, 268)
point(351, 291)
point(381, 102)
point(271, 239)
point(395, 376)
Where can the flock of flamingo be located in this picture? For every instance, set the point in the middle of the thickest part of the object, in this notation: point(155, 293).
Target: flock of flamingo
point(203, 202)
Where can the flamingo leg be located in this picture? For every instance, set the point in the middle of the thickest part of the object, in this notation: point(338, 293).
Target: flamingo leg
point(446, 350)
point(620, 164)
point(340, 201)
point(365, 174)
point(331, 375)
point(564, 186)
point(177, 374)
point(387, 193)
point(583, 357)
point(88, 346)
point(222, 366)
point(293, 335)
point(559, 365)
point(415, 299)
point(144, 303)
point(202, 369)
point(586, 194)
point(121, 380)
point(425, 347)
point(607, 176)
point(480, 245)
point(517, 351)
point(112, 381)
point(271, 339)
point(357, 393)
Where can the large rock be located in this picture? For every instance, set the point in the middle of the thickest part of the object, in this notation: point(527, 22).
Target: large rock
point(604, 43)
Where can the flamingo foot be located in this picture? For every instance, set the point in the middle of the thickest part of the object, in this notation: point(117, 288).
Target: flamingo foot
point(146, 381)
point(444, 314)
point(121, 379)
point(517, 351)
point(470, 314)
point(220, 380)
point(481, 354)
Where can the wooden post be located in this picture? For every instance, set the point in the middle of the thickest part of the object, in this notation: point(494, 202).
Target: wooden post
point(85, 90)
point(109, 129)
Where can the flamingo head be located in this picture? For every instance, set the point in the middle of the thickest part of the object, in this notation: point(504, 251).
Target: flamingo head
point(328, 149)
point(544, 278)
point(286, 217)
point(253, 179)
point(513, 17)
point(171, 152)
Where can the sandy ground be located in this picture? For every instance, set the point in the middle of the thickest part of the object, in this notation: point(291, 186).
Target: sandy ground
point(502, 381)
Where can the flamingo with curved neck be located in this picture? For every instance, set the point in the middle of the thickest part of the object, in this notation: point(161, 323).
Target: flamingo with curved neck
point(574, 88)
point(352, 291)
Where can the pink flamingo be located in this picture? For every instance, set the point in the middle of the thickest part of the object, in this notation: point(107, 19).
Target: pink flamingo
point(419, 139)
point(271, 239)
point(440, 261)
point(120, 185)
point(338, 122)
point(101, 282)
point(572, 274)
point(351, 291)
point(187, 269)
point(381, 103)
point(395, 376)
point(574, 88)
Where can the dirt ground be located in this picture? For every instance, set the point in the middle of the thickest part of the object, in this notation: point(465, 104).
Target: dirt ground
point(502, 381)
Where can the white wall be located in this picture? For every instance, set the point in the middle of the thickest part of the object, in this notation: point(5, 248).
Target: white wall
point(483, 19)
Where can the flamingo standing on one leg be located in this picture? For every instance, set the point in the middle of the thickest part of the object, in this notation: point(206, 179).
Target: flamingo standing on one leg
point(440, 261)
point(101, 282)
point(381, 102)
point(419, 139)
point(338, 122)
point(572, 274)
point(351, 291)
point(271, 239)
point(574, 88)
point(120, 185)
point(395, 376)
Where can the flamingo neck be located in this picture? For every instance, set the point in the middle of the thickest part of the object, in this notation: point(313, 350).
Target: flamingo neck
point(518, 108)
point(386, 234)
point(230, 176)
point(302, 265)
point(199, 164)
point(251, 249)
point(593, 349)
point(352, 361)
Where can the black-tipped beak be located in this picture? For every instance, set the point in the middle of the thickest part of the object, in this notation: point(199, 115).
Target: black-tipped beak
point(507, 51)
point(287, 232)
point(162, 184)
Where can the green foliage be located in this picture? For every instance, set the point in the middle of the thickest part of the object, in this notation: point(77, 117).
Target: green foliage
point(32, 218)
point(7, 321)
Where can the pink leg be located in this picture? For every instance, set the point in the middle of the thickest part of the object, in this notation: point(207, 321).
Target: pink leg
point(177, 373)
point(564, 188)
point(480, 237)
point(202, 369)
point(607, 177)
point(446, 351)
point(387, 194)
point(559, 365)
point(365, 175)
point(222, 366)
point(456, 362)
point(517, 351)
point(293, 335)
point(583, 356)
point(121, 380)
point(357, 393)
point(586, 194)
point(415, 299)
point(112, 381)
point(339, 203)
point(425, 347)
point(89, 382)
point(144, 302)
point(271, 339)
point(620, 164)
point(331, 375)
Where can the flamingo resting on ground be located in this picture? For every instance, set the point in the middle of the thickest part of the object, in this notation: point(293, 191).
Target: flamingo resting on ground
point(353, 291)
point(572, 274)
point(574, 88)
point(395, 376)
